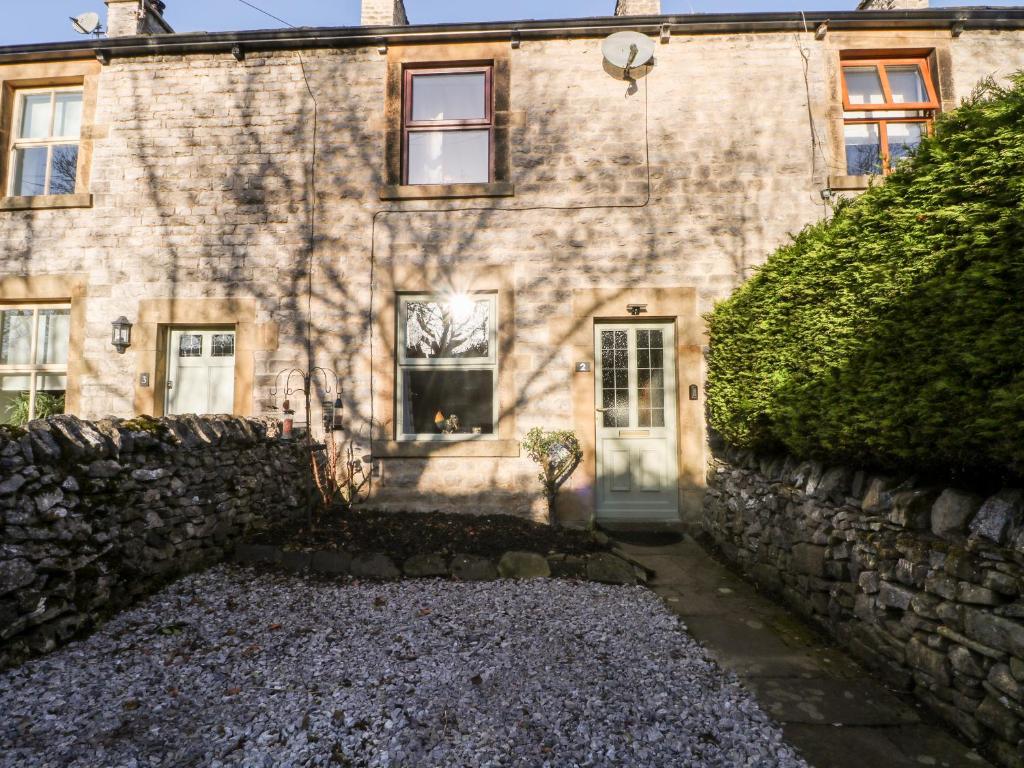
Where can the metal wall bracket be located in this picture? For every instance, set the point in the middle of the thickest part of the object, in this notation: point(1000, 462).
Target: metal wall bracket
point(514, 40)
point(821, 31)
point(103, 56)
point(666, 34)
point(238, 52)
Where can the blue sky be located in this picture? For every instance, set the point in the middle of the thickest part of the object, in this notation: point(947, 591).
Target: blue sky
point(47, 20)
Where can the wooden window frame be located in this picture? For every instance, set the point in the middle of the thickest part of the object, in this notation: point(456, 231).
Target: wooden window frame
point(880, 63)
point(32, 369)
point(491, 363)
point(49, 142)
point(410, 126)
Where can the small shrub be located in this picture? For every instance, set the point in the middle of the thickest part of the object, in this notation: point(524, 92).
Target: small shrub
point(558, 453)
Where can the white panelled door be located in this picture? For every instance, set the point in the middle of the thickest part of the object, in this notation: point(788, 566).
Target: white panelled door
point(637, 446)
point(201, 371)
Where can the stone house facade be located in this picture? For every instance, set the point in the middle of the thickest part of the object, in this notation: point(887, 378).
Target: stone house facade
point(263, 201)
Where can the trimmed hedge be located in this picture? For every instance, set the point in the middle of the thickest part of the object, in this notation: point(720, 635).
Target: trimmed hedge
point(893, 334)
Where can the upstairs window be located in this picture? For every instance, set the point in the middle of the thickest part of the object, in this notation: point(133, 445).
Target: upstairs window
point(447, 125)
point(44, 151)
point(888, 107)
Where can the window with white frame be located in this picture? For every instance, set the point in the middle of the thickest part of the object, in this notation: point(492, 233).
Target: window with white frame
point(33, 361)
point(44, 148)
point(447, 365)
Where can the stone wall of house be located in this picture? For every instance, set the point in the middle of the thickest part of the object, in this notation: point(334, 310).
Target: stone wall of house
point(201, 178)
point(96, 514)
point(923, 584)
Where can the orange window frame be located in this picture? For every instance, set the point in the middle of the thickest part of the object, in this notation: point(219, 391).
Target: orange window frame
point(880, 64)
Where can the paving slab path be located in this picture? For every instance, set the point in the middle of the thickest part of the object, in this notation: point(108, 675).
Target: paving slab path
point(832, 710)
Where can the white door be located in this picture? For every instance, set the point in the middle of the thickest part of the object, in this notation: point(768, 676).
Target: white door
point(201, 371)
point(637, 462)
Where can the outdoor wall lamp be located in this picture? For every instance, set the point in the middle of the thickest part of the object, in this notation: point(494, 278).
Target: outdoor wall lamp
point(121, 334)
point(636, 309)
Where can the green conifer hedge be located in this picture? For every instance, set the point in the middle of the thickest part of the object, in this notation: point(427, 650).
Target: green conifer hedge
point(893, 334)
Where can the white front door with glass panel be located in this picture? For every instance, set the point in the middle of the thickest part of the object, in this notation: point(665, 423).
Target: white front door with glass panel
point(201, 371)
point(637, 461)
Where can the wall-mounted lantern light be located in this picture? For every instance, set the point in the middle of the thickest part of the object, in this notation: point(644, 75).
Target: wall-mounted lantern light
point(121, 334)
point(636, 309)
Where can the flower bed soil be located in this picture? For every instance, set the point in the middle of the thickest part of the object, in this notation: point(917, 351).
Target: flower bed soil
point(404, 534)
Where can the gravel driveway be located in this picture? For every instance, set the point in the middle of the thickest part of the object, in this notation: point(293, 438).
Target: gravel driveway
point(235, 667)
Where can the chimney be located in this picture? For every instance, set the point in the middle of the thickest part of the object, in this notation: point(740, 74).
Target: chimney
point(891, 5)
point(126, 18)
point(384, 13)
point(637, 7)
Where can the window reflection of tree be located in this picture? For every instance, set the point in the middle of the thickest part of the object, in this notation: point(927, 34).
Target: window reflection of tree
point(434, 329)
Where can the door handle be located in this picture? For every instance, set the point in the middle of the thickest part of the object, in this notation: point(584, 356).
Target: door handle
point(170, 384)
point(602, 410)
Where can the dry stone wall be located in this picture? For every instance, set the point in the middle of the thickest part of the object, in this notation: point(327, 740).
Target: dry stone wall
point(923, 584)
point(94, 515)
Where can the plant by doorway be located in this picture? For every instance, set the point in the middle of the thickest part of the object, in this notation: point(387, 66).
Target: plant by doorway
point(558, 453)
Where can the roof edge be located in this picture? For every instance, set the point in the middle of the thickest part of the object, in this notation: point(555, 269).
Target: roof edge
point(349, 37)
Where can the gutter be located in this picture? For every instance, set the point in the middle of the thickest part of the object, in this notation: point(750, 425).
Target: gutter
point(953, 19)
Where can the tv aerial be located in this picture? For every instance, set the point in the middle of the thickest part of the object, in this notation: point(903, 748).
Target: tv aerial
point(627, 51)
point(87, 24)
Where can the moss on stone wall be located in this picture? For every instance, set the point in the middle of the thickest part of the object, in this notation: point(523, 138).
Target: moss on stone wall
point(892, 334)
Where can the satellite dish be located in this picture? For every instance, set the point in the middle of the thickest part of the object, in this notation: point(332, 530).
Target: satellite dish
point(628, 50)
point(86, 23)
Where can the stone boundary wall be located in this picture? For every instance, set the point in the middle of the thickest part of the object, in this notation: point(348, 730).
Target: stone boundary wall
point(922, 584)
point(96, 514)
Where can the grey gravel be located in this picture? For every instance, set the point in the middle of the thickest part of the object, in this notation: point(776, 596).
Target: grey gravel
point(234, 667)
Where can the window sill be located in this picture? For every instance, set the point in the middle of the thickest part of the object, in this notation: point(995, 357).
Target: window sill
point(852, 183)
point(471, 447)
point(446, 191)
point(44, 202)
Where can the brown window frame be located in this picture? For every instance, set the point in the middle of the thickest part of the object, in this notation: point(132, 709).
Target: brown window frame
point(410, 126)
point(880, 63)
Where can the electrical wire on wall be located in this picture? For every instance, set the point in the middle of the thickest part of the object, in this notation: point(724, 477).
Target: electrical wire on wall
point(816, 144)
point(311, 224)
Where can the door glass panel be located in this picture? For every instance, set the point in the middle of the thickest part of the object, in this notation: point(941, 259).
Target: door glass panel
point(863, 85)
point(222, 345)
point(903, 139)
point(54, 329)
point(449, 157)
point(863, 150)
point(16, 336)
point(449, 97)
point(35, 116)
point(190, 345)
point(907, 85)
point(615, 378)
point(459, 329)
point(650, 378)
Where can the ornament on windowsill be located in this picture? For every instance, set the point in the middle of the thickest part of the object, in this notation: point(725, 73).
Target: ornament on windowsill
point(446, 425)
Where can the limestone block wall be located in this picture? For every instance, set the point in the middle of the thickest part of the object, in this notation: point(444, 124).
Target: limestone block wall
point(96, 514)
point(923, 584)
